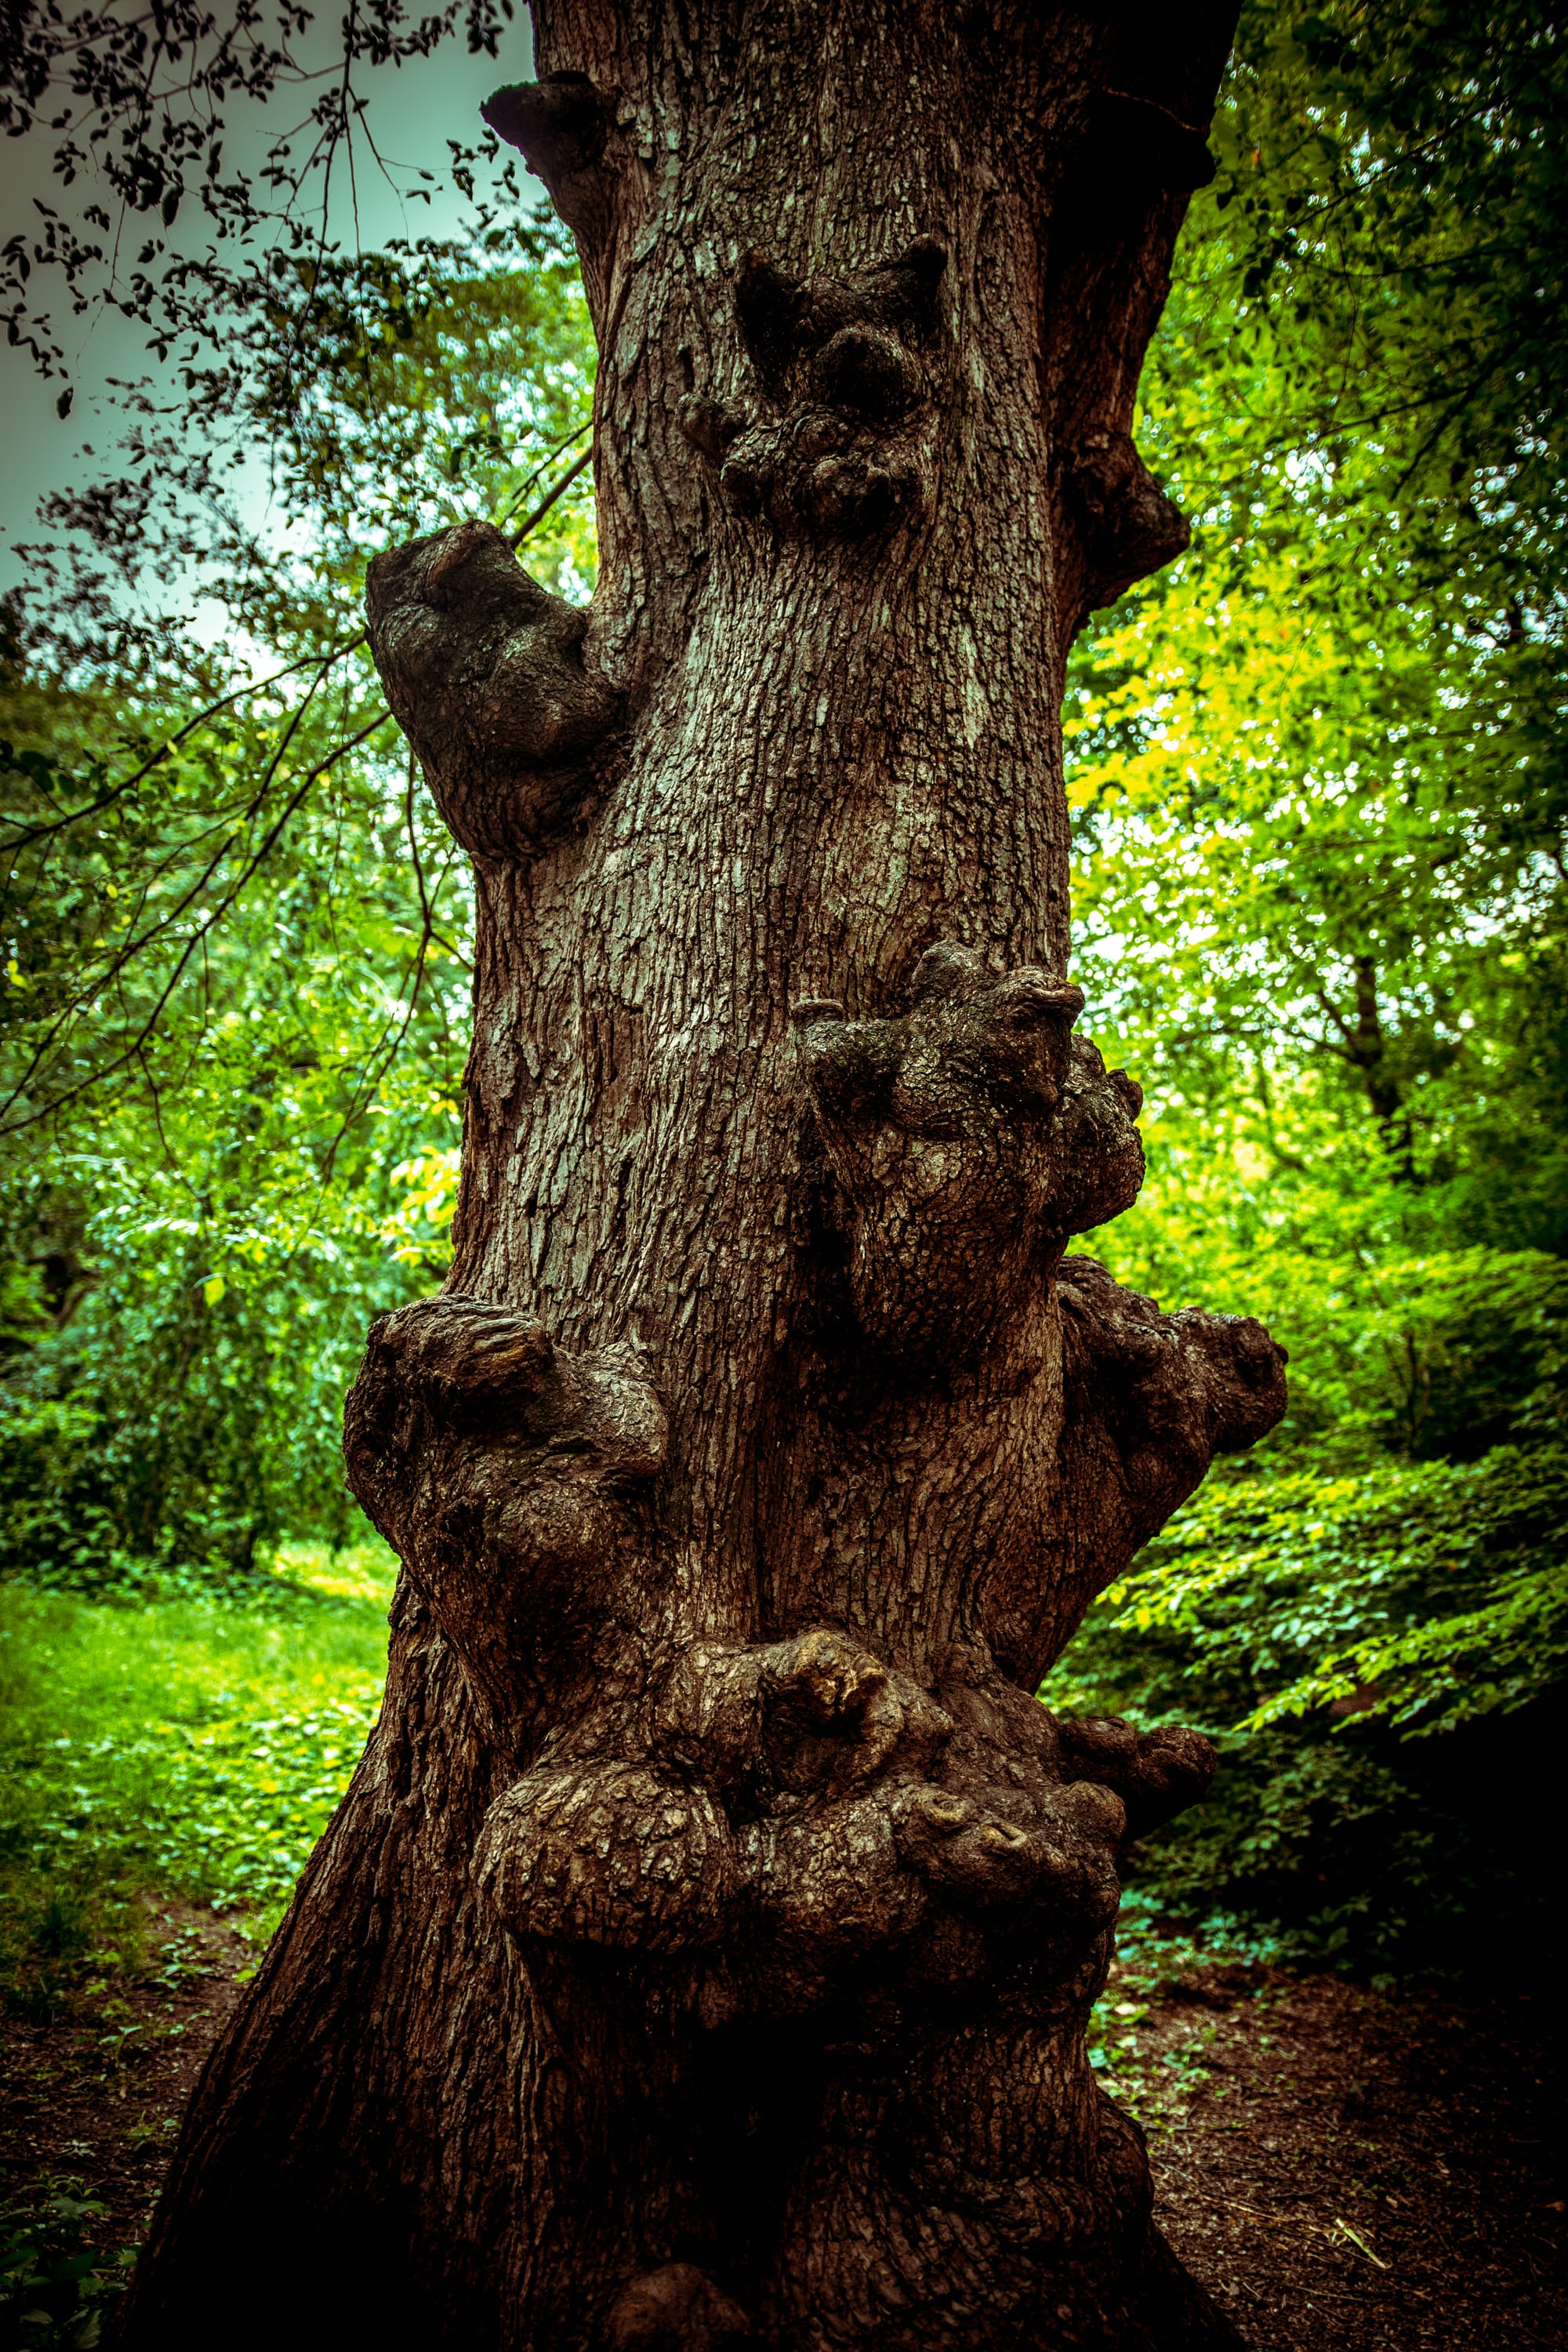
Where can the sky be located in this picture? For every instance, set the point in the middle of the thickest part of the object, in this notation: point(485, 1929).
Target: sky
point(413, 112)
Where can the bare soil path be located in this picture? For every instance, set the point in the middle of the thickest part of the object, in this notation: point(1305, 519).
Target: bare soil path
point(1365, 2171)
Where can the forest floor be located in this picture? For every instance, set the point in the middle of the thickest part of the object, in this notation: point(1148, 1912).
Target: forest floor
point(1366, 2171)
point(1369, 2171)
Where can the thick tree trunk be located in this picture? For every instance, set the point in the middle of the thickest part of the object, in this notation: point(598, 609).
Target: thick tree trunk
point(703, 1951)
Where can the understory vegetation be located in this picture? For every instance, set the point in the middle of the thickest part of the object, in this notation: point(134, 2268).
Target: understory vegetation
point(191, 1746)
point(1317, 776)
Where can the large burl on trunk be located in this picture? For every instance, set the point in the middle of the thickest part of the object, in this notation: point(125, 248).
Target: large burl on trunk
point(702, 1953)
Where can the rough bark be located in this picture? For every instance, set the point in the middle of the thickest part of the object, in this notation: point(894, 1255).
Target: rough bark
point(702, 1953)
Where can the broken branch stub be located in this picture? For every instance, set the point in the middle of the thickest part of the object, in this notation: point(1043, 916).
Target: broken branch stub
point(488, 674)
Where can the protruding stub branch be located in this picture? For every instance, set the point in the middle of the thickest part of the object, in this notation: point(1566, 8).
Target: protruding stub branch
point(506, 1472)
point(1156, 1774)
point(1128, 527)
point(969, 1139)
point(838, 444)
point(1148, 1401)
point(1139, 153)
point(561, 126)
point(1176, 1389)
point(484, 670)
point(1134, 146)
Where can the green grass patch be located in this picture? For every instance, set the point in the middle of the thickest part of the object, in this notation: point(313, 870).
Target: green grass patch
point(179, 1747)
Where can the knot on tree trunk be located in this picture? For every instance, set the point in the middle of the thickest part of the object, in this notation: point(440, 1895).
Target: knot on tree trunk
point(1128, 527)
point(1169, 1391)
point(928, 2133)
point(837, 443)
point(485, 672)
point(563, 127)
point(788, 1820)
point(1147, 1402)
point(509, 1474)
point(1156, 1774)
point(968, 1137)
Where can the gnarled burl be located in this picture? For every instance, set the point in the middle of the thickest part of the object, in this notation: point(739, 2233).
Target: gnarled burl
point(702, 1953)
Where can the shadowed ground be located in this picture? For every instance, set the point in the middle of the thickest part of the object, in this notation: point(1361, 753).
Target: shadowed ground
point(1341, 2168)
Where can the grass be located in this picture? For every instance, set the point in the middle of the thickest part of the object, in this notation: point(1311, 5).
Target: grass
point(176, 1748)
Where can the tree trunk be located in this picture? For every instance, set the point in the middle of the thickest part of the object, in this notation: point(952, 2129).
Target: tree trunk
point(703, 1951)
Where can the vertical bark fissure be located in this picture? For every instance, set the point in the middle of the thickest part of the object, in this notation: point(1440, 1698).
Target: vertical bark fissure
point(703, 1952)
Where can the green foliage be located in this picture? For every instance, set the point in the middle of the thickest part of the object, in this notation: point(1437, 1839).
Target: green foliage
point(140, 116)
point(1370, 1620)
point(1318, 769)
point(445, 379)
point(186, 1748)
point(54, 2284)
point(1364, 1595)
point(1319, 793)
point(186, 1408)
point(238, 936)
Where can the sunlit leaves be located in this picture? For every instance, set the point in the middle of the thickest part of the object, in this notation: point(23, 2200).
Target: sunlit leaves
point(237, 934)
point(1318, 771)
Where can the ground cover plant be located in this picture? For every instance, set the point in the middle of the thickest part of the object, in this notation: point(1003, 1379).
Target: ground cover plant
point(174, 1746)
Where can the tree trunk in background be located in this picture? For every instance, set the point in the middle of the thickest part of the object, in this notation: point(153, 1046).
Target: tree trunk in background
point(702, 1953)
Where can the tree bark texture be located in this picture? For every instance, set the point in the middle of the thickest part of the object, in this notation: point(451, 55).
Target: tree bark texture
point(702, 1953)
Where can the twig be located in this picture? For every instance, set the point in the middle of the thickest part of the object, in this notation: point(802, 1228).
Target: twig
point(197, 939)
point(543, 509)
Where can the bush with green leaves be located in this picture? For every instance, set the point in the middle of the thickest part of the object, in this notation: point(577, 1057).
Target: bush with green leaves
point(1378, 1650)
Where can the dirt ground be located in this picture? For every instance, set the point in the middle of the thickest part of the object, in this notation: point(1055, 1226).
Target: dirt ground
point(1362, 2171)
point(1370, 2172)
point(95, 2098)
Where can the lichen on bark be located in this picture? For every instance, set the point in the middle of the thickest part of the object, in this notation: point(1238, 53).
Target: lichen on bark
point(702, 1953)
